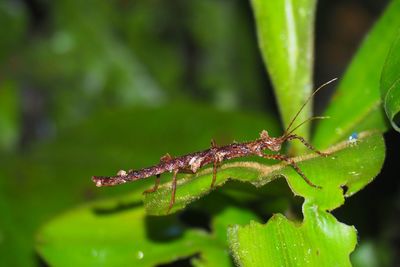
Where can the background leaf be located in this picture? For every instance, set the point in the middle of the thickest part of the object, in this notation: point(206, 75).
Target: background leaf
point(361, 83)
point(9, 115)
point(117, 231)
point(286, 35)
point(95, 236)
point(390, 85)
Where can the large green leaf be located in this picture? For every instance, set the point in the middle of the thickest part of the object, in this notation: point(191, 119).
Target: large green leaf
point(319, 241)
point(356, 105)
point(286, 34)
point(117, 231)
point(390, 85)
point(349, 165)
point(97, 236)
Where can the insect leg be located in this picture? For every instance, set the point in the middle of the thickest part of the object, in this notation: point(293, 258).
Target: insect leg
point(214, 146)
point(172, 201)
point(215, 166)
point(186, 170)
point(301, 139)
point(167, 157)
point(291, 163)
point(155, 187)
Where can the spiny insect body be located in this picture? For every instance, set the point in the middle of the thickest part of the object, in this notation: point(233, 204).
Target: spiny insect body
point(192, 162)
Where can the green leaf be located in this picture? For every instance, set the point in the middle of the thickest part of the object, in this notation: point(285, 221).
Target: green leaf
point(9, 115)
point(104, 236)
point(16, 19)
point(349, 165)
point(286, 34)
point(390, 85)
point(319, 241)
point(226, 216)
point(117, 231)
point(361, 83)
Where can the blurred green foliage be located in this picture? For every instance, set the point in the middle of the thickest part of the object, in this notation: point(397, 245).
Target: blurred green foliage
point(54, 176)
point(80, 65)
point(9, 115)
point(90, 55)
point(90, 87)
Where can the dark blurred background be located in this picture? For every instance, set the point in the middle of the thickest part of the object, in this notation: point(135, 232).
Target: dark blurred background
point(61, 61)
point(64, 62)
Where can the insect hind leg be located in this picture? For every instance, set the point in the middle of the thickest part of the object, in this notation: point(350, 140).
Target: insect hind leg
point(216, 162)
point(155, 187)
point(215, 167)
point(172, 201)
point(307, 144)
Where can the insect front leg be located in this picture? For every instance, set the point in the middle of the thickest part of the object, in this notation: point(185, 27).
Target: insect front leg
point(291, 163)
point(301, 139)
point(166, 158)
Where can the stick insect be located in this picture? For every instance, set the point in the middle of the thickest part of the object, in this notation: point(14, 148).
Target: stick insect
point(192, 162)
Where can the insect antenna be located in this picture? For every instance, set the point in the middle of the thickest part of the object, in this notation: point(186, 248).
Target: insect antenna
point(307, 120)
point(302, 107)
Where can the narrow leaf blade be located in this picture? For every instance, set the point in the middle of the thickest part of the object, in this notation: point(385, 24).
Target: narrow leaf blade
point(285, 34)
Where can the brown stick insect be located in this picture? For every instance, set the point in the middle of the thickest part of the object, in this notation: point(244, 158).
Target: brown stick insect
point(192, 162)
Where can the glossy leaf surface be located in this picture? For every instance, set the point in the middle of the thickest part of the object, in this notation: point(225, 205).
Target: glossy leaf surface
point(319, 241)
point(390, 84)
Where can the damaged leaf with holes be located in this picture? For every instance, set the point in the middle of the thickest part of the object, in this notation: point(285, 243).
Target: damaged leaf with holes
point(320, 240)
